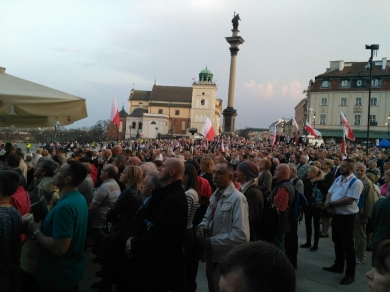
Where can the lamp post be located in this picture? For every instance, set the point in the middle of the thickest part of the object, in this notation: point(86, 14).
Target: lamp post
point(372, 48)
point(314, 120)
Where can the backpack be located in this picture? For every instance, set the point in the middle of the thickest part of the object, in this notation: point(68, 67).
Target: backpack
point(317, 194)
point(299, 204)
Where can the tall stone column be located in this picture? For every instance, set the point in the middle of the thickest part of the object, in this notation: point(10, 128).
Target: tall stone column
point(229, 113)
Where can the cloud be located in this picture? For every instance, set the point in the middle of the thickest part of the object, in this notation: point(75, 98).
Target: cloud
point(292, 90)
point(264, 90)
point(65, 49)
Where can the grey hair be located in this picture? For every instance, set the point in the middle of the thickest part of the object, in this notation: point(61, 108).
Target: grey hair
point(154, 178)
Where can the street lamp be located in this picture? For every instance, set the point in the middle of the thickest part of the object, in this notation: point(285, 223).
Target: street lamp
point(314, 120)
point(372, 48)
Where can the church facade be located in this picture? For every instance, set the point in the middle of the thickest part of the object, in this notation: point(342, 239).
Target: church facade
point(172, 110)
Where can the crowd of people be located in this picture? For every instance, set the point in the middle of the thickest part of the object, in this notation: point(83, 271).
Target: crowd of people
point(152, 210)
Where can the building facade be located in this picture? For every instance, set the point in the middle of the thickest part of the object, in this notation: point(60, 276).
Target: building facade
point(344, 87)
point(172, 110)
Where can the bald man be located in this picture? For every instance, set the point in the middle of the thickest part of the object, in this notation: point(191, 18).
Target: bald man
point(282, 196)
point(116, 150)
point(161, 244)
point(134, 161)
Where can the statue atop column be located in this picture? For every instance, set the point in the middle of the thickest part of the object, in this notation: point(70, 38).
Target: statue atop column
point(235, 20)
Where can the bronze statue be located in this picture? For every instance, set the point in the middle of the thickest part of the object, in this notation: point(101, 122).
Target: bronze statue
point(235, 20)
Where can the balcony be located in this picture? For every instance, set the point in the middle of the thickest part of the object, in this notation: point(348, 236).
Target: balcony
point(373, 123)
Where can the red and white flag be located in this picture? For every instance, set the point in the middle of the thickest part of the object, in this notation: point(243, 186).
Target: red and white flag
point(295, 124)
point(274, 138)
point(114, 113)
point(312, 131)
point(343, 146)
point(208, 130)
point(347, 128)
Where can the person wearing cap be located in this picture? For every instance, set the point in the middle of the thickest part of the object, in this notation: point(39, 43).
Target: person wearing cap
point(246, 174)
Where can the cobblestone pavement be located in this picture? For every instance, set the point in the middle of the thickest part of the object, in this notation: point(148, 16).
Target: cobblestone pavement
point(310, 276)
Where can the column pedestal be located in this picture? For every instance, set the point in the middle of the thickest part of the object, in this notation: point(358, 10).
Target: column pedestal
point(229, 121)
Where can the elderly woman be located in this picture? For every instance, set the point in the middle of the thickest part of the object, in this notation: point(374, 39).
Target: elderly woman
point(10, 229)
point(313, 212)
point(37, 156)
point(379, 276)
point(29, 254)
point(385, 186)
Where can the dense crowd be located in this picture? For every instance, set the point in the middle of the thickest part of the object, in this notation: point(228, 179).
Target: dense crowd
point(152, 209)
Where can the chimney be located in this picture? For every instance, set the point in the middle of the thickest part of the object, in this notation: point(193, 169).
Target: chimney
point(2, 70)
point(336, 65)
point(341, 65)
point(384, 63)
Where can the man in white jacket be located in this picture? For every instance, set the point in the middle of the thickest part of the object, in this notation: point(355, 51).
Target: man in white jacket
point(225, 224)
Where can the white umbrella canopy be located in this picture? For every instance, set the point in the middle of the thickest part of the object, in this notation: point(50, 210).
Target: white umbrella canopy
point(25, 104)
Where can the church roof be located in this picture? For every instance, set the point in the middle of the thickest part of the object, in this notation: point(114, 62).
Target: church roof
point(140, 95)
point(171, 93)
point(205, 71)
point(164, 93)
point(123, 113)
point(138, 112)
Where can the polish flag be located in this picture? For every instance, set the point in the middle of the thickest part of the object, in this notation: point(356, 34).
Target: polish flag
point(347, 128)
point(295, 124)
point(208, 130)
point(343, 146)
point(312, 131)
point(115, 113)
point(274, 138)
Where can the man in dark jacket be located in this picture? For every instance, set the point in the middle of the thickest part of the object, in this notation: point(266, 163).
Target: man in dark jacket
point(160, 247)
point(246, 174)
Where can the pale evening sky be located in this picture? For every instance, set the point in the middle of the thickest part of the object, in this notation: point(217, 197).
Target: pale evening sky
point(97, 49)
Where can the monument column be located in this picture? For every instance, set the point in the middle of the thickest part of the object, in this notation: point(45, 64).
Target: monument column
point(229, 114)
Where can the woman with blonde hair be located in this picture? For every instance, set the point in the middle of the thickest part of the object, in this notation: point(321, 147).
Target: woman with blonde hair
point(313, 212)
point(121, 213)
point(206, 170)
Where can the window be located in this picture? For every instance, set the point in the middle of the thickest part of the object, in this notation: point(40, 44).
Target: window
point(374, 101)
point(134, 125)
point(358, 101)
point(153, 123)
point(324, 101)
point(344, 83)
point(140, 125)
point(322, 119)
point(358, 120)
point(343, 101)
point(373, 121)
point(202, 102)
point(160, 111)
point(375, 82)
point(183, 125)
point(325, 84)
point(177, 112)
point(140, 105)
